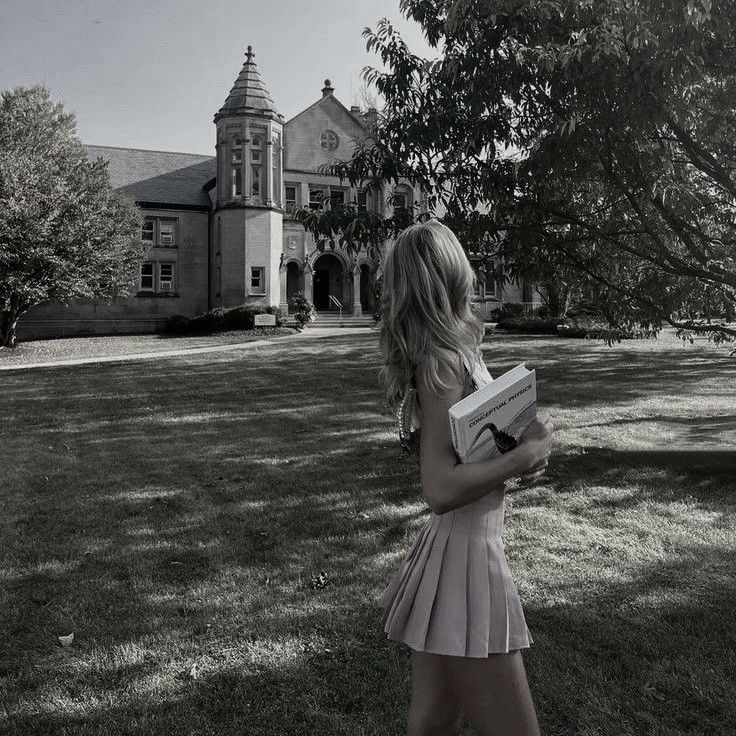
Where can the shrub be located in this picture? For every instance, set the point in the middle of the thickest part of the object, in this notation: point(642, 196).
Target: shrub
point(506, 311)
point(530, 324)
point(598, 329)
point(301, 309)
point(221, 318)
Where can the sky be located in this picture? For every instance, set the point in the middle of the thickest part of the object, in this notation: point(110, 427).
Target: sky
point(152, 73)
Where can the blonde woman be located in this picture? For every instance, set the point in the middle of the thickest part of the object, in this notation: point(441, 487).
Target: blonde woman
point(453, 600)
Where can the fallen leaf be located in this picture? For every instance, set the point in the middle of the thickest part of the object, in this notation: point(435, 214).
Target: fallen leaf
point(66, 641)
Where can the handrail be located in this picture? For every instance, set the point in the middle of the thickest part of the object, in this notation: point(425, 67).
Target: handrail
point(335, 301)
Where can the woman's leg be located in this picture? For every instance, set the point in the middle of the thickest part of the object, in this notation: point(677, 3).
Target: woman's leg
point(435, 706)
point(494, 694)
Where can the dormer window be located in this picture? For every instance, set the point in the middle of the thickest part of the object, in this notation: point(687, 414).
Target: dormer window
point(237, 167)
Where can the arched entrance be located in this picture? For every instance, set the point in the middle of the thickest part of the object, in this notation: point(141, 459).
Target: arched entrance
point(327, 280)
point(292, 280)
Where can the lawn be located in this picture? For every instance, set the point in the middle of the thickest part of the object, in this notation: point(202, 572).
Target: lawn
point(214, 528)
point(80, 348)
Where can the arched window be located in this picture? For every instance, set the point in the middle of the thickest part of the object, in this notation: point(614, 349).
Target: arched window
point(237, 167)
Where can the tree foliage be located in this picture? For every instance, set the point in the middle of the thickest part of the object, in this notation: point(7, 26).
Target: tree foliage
point(64, 233)
point(589, 137)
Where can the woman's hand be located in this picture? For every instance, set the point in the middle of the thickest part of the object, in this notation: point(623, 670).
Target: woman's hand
point(538, 440)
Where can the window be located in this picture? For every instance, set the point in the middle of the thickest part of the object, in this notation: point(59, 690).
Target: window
point(316, 195)
point(159, 232)
point(337, 197)
point(256, 178)
point(167, 236)
point(146, 277)
point(362, 200)
point(157, 278)
point(492, 286)
point(399, 201)
point(237, 170)
point(149, 230)
point(486, 285)
point(290, 196)
point(477, 285)
point(166, 277)
point(257, 280)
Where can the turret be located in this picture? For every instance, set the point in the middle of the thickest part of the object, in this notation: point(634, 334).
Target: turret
point(248, 213)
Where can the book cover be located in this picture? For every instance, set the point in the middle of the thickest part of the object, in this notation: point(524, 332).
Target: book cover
point(491, 420)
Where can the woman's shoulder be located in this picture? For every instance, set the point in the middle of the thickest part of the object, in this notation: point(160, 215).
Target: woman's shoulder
point(430, 374)
point(453, 362)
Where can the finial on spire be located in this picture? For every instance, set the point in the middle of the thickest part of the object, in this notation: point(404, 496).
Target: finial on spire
point(250, 54)
point(328, 89)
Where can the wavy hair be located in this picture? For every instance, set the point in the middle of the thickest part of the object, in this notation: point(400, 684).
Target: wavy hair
point(427, 323)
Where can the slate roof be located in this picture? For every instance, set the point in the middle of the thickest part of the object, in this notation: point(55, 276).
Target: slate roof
point(249, 94)
point(159, 176)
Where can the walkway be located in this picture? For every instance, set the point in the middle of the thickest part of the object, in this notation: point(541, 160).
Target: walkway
point(310, 332)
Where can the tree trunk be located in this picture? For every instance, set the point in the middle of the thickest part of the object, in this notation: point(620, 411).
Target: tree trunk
point(8, 323)
point(557, 297)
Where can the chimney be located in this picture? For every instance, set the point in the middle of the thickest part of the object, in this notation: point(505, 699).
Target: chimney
point(370, 118)
point(328, 89)
point(355, 109)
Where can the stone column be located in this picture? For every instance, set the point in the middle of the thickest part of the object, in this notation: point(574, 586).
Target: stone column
point(267, 168)
point(283, 303)
point(357, 307)
point(308, 290)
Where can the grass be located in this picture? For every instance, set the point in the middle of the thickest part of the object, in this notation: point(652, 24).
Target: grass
point(214, 529)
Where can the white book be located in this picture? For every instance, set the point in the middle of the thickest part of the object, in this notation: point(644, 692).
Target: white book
point(491, 420)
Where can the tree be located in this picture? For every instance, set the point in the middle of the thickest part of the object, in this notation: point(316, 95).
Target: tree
point(64, 233)
point(598, 137)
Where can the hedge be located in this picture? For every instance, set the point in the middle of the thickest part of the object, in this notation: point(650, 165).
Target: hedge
point(218, 319)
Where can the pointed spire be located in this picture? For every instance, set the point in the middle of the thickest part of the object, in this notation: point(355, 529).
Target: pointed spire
point(249, 94)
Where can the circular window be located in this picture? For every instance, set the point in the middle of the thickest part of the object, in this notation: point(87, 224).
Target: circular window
point(329, 140)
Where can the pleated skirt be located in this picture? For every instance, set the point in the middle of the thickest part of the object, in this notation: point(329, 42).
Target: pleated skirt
point(453, 593)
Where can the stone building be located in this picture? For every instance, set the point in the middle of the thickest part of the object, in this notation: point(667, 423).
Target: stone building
point(220, 228)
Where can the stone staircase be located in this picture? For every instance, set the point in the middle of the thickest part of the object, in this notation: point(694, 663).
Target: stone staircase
point(332, 319)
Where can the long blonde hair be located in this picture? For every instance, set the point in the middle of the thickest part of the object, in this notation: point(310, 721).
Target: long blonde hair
point(427, 322)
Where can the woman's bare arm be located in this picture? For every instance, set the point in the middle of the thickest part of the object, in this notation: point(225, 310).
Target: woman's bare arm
point(448, 484)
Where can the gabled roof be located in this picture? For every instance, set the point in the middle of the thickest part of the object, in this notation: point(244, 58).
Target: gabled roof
point(321, 100)
point(159, 176)
point(249, 94)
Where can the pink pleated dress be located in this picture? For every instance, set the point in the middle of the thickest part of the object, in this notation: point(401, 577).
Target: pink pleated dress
point(453, 593)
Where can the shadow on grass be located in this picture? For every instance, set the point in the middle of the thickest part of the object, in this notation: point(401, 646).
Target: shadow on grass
point(707, 476)
point(148, 504)
point(630, 661)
